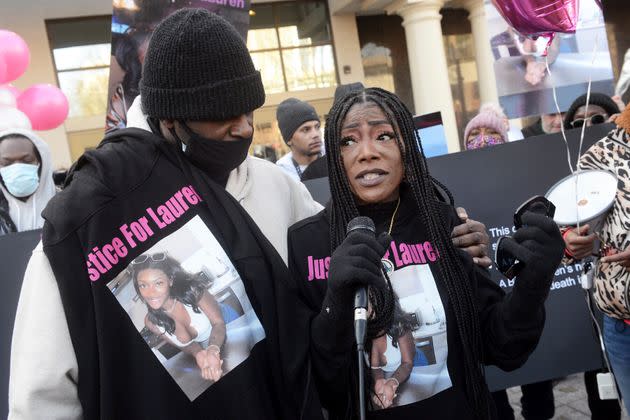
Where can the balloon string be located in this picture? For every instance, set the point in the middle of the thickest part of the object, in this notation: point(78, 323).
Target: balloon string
point(551, 36)
point(555, 99)
point(564, 136)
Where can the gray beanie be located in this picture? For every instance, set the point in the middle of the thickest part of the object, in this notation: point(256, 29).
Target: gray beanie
point(291, 114)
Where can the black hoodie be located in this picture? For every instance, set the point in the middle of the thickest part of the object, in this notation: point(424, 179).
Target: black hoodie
point(136, 195)
point(435, 387)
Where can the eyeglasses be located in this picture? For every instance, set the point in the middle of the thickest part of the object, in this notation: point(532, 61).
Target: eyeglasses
point(594, 119)
point(157, 257)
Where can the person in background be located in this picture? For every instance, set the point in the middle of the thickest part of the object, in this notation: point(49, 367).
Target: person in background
point(546, 124)
point(300, 127)
point(612, 272)
point(601, 108)
point(485, 129)
point(512, 133)
point(26, 180)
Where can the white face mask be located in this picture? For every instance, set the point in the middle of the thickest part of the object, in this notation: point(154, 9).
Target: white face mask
point(21, 179)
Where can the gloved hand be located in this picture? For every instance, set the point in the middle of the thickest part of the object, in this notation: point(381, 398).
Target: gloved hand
point(539, 246)
point(356, 262)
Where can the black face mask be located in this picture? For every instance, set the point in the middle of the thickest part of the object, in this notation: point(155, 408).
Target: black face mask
point(217, 158)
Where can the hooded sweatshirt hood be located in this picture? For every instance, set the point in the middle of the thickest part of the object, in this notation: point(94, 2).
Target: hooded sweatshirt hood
point(27, 214)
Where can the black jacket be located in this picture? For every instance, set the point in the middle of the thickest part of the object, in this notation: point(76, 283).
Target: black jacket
point(125, 181)
point(416, 277)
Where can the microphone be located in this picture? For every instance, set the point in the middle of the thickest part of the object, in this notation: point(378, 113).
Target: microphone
point(365, 225)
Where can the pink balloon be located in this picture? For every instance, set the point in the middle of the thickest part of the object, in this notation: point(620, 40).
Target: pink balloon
point(15, 53)
point(15, 91)
point(3, 71)
point(45, 105)
point(540, 17)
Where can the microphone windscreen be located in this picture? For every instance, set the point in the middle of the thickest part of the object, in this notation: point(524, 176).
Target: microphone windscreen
point(360, 223)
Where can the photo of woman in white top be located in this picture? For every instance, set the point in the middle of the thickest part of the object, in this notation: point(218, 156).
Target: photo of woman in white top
point(181, 310)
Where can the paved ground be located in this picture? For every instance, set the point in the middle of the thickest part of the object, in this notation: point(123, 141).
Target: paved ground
point(570, 397)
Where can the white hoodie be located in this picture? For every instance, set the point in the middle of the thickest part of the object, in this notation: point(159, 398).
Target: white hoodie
point(27, 215)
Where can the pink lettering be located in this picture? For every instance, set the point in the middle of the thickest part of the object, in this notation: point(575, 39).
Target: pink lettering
point(190, 195)
point(311, 275)
point(428, 249)
point(160, 224)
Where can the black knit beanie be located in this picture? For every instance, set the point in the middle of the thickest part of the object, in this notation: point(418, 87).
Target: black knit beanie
point(291, 114)
point(197, 67)
point(596, 99)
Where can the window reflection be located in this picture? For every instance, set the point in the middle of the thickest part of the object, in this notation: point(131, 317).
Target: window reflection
point(309, 68)
point(292, 47)
point(86, 91)
point(262, 39)
point(81, 52)
point(71, 58)
point(378, 66)
point(270, 67)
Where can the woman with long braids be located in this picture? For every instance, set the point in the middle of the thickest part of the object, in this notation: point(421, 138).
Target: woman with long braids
point(377, 169)
point(181, 310)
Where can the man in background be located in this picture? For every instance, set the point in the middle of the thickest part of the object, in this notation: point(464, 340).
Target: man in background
point(26, 182)
point(300, 127)
point(546, 124)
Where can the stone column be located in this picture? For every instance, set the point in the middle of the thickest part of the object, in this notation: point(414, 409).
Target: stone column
point(483, 52)
point(427, 62)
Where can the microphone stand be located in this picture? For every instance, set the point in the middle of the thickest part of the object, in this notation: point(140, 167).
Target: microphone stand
point(360, 328)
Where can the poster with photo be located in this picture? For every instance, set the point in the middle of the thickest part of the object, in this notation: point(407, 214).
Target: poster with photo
point(133, 22)
point(188, 303)
point(417, 340)
point(523, 83)
point(430, 128)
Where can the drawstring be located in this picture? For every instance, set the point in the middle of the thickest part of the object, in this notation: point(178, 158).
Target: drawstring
point(19, 218)
point(35, 218)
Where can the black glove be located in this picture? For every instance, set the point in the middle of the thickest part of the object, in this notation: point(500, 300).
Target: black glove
point(539, 246)
point(356, 262)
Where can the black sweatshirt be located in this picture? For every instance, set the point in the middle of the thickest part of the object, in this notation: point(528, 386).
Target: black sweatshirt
point(435, 387)
point(136, 197)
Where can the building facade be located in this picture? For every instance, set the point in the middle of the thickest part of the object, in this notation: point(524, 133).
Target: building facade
point(435, 54)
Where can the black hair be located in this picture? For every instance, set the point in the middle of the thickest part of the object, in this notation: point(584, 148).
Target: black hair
point(596, 99)
point(401, 325)
point(126, 53)
point(344, 208)
point(186, 288)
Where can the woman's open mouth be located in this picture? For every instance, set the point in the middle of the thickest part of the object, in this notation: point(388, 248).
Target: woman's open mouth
point(371, 177)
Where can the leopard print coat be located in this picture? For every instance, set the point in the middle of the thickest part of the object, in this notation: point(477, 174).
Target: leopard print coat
point(612, 154)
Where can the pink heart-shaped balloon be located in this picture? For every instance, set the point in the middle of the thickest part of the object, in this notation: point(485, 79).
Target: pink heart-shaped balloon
point(540, 17)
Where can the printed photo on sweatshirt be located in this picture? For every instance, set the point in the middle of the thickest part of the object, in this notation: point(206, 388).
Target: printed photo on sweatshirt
point(415, 348)
point(189, 304)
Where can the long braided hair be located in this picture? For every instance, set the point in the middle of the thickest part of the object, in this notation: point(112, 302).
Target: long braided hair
point(344, 209)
